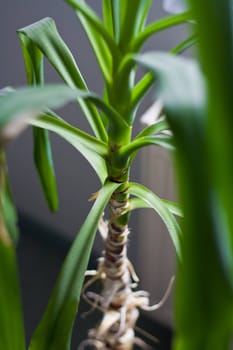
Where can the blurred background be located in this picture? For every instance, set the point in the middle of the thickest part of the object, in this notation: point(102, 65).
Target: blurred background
point(150, 248)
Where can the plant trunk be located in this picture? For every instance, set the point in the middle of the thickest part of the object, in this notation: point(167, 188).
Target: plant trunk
point(117, 300)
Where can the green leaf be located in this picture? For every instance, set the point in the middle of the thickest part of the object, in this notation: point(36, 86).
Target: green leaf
point(91, 148)
point(166, 68)
point(108, 16)
point(92, 18)
point(9, 211)
point(19, 106)
point(11, 318)
point(158, 26)
point(173, 207)
point(33, 60)
point(44, 35)
point(103, 45)
point(64, 129)
point(156, 203)
point(118, 10)
point(44, 165)
point(111, 113)
point(155, 128)
point(55, 328)
point(133, 21)
point(144, 85)
point(140, 90)
point(205, 276)
point(164, 141)
point(220, 127)
point(185, 44)
point(139, 203)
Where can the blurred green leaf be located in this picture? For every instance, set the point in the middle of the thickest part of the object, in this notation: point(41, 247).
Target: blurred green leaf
point(143, 86)
point(204, 298)
point(8, 210)
point(157, 204)
point(11, 318)
point(219, 79)
point(185, 44)
point(55, 328)
point(17, 107)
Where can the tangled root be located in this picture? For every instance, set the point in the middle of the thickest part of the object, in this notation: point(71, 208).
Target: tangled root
point(118, 301)
point(118, 325)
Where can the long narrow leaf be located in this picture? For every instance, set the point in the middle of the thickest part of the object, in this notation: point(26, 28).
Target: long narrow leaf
point(141, 89)
point(139, 203)
point(205, 276)
point(45, 36)
point(92, 18)
point(11, 318)
point(93, 150)
point(144, 85)
point(8, 210)
point(102, 43)
point(25, 103)
point(33, 59)
point(21, 106)
point(134, 19)
point(185, 44)
point(164, 141)
point(63, 128)
point(44, 165)
point(155, 202)
point(118, 10)
point(158, 26)
point(55, 328)
point(108, 16)
point(100, 49)
point(153, 129)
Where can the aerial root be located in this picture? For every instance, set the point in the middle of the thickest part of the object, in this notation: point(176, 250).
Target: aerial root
point(90, 342)
point(146, 335)
point(162, 301)
point(103, 228)
point(142, 344)
point(120, 307)
point(132, 272)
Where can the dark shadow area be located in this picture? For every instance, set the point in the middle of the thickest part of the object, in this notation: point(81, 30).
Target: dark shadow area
point(40, 254)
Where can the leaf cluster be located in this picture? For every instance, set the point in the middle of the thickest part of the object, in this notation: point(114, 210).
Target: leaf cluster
point(110, 150)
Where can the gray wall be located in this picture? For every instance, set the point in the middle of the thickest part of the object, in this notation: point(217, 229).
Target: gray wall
point(76, 181)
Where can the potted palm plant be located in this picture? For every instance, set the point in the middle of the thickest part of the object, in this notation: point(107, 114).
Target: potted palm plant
point(117, 39)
